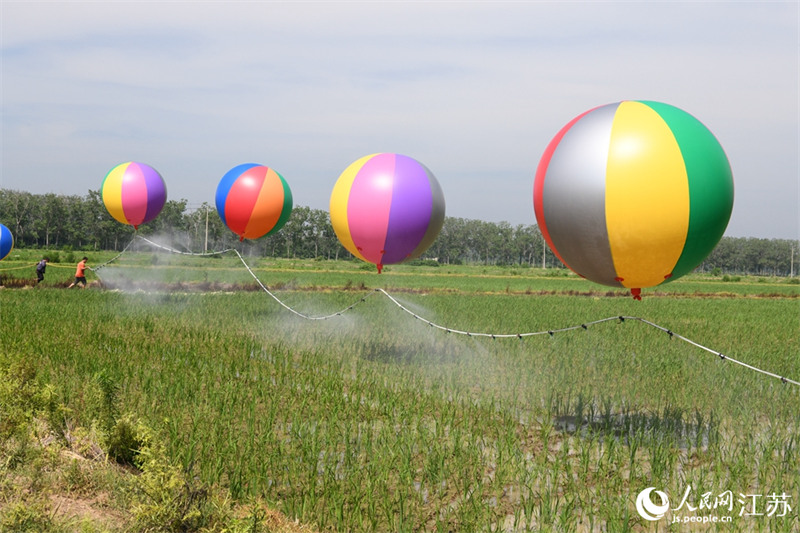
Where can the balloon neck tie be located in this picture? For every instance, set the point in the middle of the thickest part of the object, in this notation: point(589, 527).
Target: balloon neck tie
point(241, 238)
point(637, 294)
point(668, 276)
point(379, 264)
point(136, 227)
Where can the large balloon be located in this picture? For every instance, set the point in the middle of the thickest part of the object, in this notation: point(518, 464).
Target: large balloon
point(134, 193)
point(633, 194)
point(387, 208)
point(6, 242)
point(253, 200)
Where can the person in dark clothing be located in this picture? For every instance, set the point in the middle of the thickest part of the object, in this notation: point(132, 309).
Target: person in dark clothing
point(40, 268)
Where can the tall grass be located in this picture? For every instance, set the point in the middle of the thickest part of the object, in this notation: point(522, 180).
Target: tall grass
point(374, 421)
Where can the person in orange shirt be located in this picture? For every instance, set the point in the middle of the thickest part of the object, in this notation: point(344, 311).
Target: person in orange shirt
point(80, 274)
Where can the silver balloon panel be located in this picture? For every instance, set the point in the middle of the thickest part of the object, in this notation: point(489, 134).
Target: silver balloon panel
point(574, 196)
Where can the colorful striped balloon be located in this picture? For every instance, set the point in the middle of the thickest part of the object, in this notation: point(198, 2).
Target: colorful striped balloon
point(253, 201)
point(633, 194)
point(6, 242)
point(387, 208)
point(134, 193)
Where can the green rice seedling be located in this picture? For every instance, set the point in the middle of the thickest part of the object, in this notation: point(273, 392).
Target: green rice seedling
point(375, 421)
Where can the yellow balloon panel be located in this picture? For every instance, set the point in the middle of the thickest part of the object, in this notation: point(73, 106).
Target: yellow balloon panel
point(338, 206)
point(112, 193)
point(647, 197)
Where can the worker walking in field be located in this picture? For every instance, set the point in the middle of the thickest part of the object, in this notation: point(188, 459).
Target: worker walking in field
point(40, 268)
point(80, 274)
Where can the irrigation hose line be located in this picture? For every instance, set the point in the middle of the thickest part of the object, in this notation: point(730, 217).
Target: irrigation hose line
point(550, 332)
point(32, 265)
point(54, 265)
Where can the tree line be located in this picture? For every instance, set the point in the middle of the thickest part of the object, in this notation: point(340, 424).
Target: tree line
point(51, 221)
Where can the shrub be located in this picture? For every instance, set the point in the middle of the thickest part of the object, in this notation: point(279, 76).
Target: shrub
point(23, 516)
point(170, 499)
point(127, 440)
point(22, 396)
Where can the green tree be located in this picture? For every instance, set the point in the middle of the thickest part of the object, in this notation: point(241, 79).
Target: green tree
point(17, 213)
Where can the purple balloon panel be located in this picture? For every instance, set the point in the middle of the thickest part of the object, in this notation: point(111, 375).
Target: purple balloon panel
point(156, 192)
point(411, 208)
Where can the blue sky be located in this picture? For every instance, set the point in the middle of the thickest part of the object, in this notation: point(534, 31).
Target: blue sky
point(474, 90)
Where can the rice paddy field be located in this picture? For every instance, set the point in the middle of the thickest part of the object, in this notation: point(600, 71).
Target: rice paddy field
point(374, 420)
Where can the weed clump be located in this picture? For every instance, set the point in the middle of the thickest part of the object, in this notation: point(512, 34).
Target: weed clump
point(48, 458)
